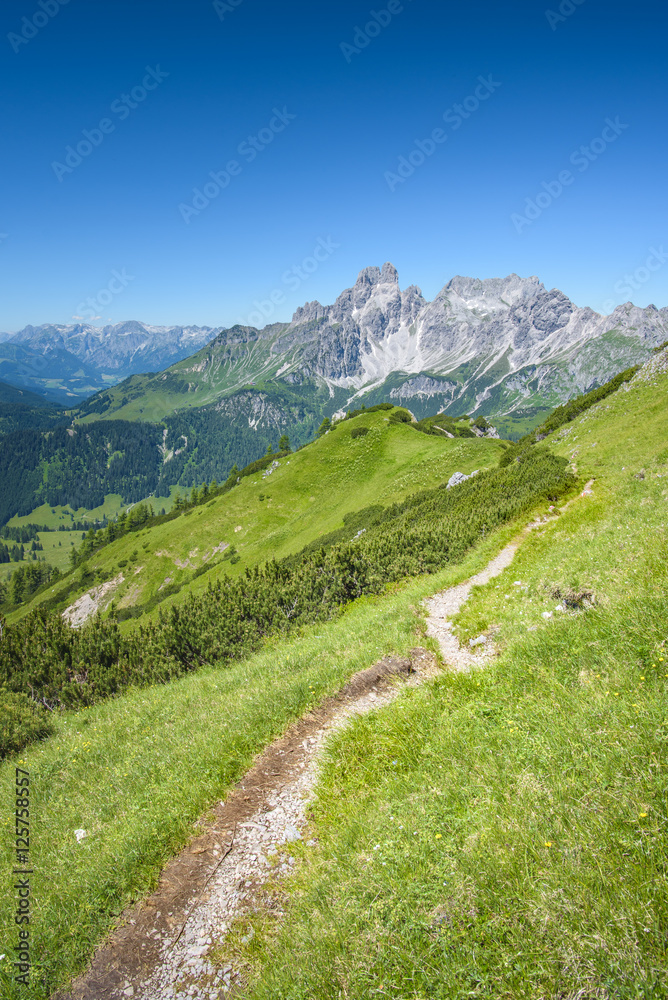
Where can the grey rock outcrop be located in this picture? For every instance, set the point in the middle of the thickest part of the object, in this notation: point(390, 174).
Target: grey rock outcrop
point(459, 477)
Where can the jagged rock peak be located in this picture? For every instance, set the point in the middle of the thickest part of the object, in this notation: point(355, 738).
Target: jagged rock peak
point(476, 287)
point(369, 276)
point(387, 275)
point(309, 312)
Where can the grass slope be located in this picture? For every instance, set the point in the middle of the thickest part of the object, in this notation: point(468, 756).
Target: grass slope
point(519, 813)
point(265, 518)
point(137, 771)
point(235, 361)
point(502, 834)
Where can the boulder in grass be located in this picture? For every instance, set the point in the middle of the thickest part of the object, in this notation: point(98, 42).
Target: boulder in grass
point(459, 477)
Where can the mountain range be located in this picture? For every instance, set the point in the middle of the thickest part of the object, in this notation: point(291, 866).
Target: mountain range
point(68, 363)
point(490, 344)
point(504, 347)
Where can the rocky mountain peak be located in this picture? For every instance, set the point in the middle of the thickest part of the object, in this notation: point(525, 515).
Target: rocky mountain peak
point(511, 288)
point(368, 276)
point(389, 274)
point(309, 312)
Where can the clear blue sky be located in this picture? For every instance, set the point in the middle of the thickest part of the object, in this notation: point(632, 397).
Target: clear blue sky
point(330, 172)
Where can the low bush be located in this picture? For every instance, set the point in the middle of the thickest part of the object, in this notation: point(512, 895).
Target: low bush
point(401, 416)
point(444, 425)
point(71, 667)
point(21, 722)
point(358, 432)
point(380, 407)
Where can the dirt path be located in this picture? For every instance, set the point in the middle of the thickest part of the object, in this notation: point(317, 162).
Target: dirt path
point(160, 950)
point(442, 607)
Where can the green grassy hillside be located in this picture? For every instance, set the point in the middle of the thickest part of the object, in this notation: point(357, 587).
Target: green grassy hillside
point(237, 359)
point(496, 834)
point(502, 834)
point(272, 516)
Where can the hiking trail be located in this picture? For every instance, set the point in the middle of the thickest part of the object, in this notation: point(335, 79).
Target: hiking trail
point(160, 950)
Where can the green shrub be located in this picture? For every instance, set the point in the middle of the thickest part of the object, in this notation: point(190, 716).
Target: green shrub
point(401, 416)
point(443, 423)
point(73, 667)
point(379, 408)
point(358, 432)
point(564, 414)
point(21, 722)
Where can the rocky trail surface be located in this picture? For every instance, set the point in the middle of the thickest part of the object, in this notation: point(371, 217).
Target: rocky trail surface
point(442, 607)
point(160, 950)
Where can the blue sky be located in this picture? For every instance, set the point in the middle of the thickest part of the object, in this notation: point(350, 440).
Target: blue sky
point(318, 121)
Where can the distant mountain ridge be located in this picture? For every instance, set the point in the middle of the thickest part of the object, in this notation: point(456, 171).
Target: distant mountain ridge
point(505, 346)
point(69, 363)
point(494, 342)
